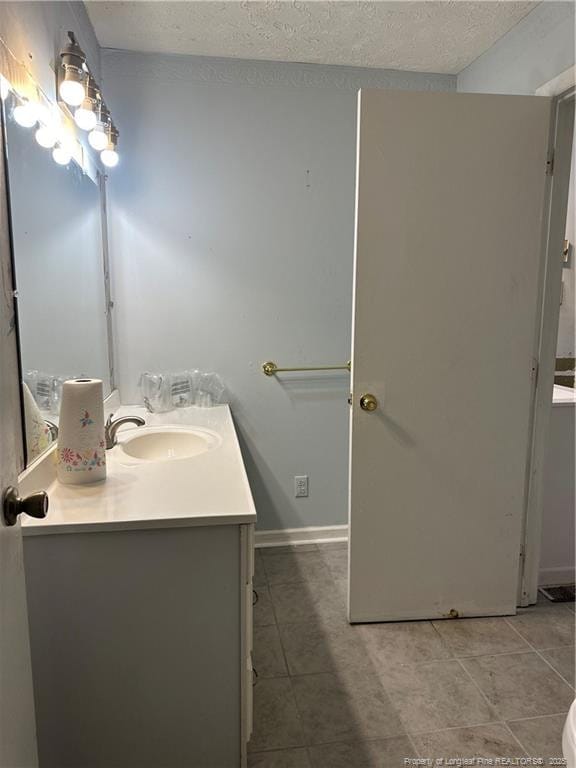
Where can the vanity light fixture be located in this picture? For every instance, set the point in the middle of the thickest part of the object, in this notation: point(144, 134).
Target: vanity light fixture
point(78, 88)
point(109, 156)
point(98, 136)
point(72, 83)
point(85, 116)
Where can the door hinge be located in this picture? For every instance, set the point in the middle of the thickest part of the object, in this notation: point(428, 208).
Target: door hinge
point(550, 164)
point(534, 370)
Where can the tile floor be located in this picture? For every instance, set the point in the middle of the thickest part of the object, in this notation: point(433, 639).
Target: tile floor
point(331, 695)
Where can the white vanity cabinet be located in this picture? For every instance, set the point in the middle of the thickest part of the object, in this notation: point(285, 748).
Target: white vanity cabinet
point(140, 606)
point(141, 644)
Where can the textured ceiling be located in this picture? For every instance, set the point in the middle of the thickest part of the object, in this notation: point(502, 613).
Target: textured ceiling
point(441, 37)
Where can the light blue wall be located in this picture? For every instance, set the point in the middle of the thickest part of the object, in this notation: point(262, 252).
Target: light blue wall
point(537, 49)
point(231, 226)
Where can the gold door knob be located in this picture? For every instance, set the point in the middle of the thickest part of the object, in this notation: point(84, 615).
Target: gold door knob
point(368, 402)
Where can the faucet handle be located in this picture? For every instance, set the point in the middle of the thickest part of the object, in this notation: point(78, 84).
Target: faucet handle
point(112, 426)
point(107, 429)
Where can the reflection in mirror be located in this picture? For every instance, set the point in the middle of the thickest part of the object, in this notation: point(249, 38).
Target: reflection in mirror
point(58, 259)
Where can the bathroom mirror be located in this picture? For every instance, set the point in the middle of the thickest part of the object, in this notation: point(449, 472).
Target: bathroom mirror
point(56, 217)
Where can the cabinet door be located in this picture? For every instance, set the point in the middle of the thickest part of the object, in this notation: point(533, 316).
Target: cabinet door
point(168, 603)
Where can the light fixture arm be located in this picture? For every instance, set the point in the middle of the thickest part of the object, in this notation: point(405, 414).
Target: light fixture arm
point(72, 55)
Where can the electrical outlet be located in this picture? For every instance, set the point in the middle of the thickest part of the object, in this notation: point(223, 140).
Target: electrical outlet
point(301, 486)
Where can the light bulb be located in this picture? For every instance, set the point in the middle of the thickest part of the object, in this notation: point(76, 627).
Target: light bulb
point(85, 117)
point(25, 114)
point(46, 137)
point(72, 90)
point(71, 87)
point(97, 138)
point(109, 157)
point(61, 155)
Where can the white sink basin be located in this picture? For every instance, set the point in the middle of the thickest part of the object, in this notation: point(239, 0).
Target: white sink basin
point(167, 443)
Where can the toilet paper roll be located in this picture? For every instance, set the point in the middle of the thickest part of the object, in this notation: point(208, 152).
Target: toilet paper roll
point(81, 454)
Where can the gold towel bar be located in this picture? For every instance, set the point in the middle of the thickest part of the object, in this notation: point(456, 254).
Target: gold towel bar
point(270, 368)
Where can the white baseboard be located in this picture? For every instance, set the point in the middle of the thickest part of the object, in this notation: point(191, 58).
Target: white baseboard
point(551, 577)
point(314, 535)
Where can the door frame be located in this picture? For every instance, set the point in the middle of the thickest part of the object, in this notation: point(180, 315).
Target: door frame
point(554, 226)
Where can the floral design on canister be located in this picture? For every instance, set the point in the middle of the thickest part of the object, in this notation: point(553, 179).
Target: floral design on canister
point(85, 461)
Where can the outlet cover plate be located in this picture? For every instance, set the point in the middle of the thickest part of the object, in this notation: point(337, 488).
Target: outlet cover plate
point(301, 486)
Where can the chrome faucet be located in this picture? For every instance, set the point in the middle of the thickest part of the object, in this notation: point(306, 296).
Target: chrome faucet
point(111, 428)
point(52, 429)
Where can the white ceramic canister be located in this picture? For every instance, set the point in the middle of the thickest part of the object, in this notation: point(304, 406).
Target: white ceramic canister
point(81, 456)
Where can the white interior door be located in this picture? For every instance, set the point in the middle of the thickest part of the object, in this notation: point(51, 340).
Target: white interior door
point(17, 721)
point(451, 193)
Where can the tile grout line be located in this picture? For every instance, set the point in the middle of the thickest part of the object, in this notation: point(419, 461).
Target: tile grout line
point(344, 740)
point(516, 739)
point(440, 659)
point(284, 651)
point(560, 675)
point(300, 717)
point(492, 708)
point(277, 749)
point(414, 747)
point(456, 656)
point(536, 717)
point(277, 625)
point(537, 652)
point(461, 727)
point(488, 701)
point(510, 653)
point(442, 640)
point(556, 647)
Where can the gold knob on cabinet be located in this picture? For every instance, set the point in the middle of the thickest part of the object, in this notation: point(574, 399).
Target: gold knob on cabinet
point(368, 402)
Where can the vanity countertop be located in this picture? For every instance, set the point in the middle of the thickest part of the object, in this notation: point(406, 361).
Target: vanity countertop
point(208, 489)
